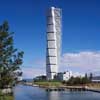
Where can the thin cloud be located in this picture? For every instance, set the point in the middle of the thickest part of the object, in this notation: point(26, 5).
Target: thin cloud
point(32, 72)
point(78, 63)
point(81, 60)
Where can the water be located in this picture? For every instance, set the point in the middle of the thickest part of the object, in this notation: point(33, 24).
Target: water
point(35, 93)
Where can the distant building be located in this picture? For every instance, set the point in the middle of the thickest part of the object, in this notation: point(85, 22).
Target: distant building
point(19, 78)
point(96, 79)
point(42, 77)
point(53, 42)
point(64, 76)
point(78, 74)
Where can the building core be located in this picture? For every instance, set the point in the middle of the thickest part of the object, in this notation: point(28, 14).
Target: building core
point(53, 47)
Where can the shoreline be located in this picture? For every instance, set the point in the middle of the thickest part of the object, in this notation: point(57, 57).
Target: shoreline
point(64, 87)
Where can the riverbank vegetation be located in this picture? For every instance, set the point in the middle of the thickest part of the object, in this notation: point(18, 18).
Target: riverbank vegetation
point(6, 97)
point(10, 58)
point(71, 82)
point(49, 83)
point(9, 97)
point(94, 85)
point(41, 81)
point(77, 81)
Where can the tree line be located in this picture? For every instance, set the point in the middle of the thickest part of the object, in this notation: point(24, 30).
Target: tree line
point(79, 80)
point(10, 57)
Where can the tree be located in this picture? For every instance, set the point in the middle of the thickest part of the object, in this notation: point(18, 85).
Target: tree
point(78, 80)
point(10, 58)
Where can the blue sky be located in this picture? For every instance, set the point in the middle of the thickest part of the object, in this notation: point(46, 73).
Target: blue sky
point(81, 31)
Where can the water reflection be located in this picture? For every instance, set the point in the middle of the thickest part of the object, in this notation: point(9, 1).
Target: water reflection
point(36, 93)
point(54, 95)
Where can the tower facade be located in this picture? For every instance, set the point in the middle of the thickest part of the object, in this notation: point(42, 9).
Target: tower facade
point(53, 42)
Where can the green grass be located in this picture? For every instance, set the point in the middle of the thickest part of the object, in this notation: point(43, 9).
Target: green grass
point(6, 97)
point(9, 97)
point(48, 83)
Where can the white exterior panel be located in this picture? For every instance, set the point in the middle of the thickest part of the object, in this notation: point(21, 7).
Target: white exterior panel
point(53, 42)
point(50, 28)
point(51, 36)
point(51, 60)
point(51, 52)
point(50, 21)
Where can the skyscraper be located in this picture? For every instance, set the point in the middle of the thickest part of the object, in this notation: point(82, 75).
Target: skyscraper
point(53, 41)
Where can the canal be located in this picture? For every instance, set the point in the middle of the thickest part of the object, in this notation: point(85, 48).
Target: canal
point(35, 93)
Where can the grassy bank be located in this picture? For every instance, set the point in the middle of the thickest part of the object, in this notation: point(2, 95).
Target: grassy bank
point(48, 83)
point(60, 84)
point(94, 85)
point(6, 97)
point(9, 97)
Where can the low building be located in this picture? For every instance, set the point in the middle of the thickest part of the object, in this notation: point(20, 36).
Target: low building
point(96, 79)
point(38, 78)
point(64, 76)
point(19, 78)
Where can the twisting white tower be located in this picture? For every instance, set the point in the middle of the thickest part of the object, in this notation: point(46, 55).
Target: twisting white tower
point(53, 42)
